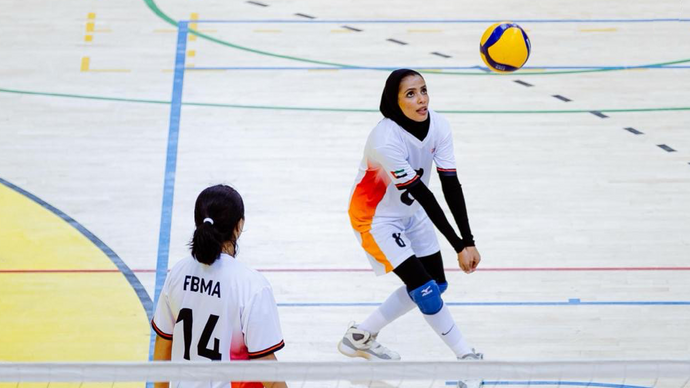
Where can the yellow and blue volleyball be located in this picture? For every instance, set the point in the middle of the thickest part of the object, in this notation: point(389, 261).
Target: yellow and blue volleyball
point(504, 47)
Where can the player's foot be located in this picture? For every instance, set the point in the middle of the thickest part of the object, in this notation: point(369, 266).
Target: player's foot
point(361, 343)
point(471, 383)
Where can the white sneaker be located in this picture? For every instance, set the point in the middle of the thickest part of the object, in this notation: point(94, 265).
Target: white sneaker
point(361, 343)
point(471, 383)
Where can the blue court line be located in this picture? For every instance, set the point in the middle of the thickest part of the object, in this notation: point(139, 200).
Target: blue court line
point(431, 21)
point(121, 266)
point(170, 168)
point(557, 383)
point(570, 302)
point(429, 67)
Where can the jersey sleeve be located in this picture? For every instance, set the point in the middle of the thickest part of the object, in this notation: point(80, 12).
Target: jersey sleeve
point(163, 322)
point(444, 157)
point(393, 159)
point(261, 325)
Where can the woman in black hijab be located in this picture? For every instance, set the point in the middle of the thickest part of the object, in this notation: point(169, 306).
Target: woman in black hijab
point(393, 213)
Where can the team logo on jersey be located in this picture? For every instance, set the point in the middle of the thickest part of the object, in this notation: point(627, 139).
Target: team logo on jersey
point(397, 174)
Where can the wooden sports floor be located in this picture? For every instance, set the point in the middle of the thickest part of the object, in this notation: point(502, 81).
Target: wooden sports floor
point(576, 169)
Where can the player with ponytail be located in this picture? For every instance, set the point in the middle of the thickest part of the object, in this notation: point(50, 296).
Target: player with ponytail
point(213, 307)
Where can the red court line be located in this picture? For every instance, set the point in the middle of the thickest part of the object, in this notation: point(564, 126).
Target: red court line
point(323, 270)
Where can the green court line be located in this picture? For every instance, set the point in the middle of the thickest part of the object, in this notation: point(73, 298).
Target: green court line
point(153, 7)
point(350, 110)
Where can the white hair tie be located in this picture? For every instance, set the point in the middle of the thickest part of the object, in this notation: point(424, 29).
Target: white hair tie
point(210, 221)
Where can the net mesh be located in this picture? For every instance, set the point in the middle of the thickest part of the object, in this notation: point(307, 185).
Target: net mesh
point(595, 373)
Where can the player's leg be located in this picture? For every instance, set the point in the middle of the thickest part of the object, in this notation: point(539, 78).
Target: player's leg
point(386, 246)
point(420, 231)
point(427, 296)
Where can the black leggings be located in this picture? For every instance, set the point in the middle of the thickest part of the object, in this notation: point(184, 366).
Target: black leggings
point(417, 271)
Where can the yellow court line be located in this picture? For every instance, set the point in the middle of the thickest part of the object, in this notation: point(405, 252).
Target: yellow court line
point(85, 63)
point(90, 26)
point(194, 16)
point(268, 31)
point(91, 15)
point(416, 30)
point(88, 38)
point(191, 53)
point(598, 29)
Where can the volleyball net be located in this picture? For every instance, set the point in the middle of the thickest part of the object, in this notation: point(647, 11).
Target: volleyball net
point(593, 373)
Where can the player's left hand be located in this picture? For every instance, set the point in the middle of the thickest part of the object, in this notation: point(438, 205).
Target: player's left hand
point(469, 259)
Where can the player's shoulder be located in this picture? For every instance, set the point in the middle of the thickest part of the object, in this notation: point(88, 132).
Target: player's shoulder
point(439, 121)
point(242, 273)
point(385, 133)
point(182, 266)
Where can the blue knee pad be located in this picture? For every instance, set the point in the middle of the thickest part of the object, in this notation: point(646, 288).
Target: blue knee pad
point(443, 287)
point(428, 298)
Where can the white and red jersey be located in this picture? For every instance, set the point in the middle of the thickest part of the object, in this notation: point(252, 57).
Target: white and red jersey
point(393, 159)
point(223, 311)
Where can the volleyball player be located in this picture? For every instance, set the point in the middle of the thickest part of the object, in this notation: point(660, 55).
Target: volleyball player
point(393, 213)
point(213, 307)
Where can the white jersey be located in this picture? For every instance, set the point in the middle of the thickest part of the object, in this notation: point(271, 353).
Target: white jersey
point(224, 311)
point(394, 159)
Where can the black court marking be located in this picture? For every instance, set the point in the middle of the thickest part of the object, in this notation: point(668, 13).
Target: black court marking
point(257, 3)
point(441, 54)
point(633, 130)
point(305, 16)
point(124, 269)
point(599, 114)
point(564, 99)
point(523, 83)
point(666, 148)
point(352, 28)
point(397, 41)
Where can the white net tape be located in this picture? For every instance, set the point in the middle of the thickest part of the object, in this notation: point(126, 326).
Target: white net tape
point(329, 371)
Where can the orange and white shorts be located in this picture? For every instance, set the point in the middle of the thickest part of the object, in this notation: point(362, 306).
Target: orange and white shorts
point(392, 240)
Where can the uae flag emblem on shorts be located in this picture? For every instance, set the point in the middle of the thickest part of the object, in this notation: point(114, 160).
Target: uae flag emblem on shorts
point(399, 173)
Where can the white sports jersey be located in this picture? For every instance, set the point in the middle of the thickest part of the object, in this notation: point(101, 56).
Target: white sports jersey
point(224, 311)
point(393, 159)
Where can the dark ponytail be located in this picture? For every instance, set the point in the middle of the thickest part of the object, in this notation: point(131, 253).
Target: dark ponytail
point(217, 212)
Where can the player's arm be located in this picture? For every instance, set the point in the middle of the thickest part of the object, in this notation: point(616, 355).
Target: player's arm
point(452, 192)
point(469, 258)
point(271, 384)
point(426, 199)
point(162, 351)
point(444, 158)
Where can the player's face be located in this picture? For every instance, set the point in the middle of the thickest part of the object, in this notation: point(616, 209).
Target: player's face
point(412, 98)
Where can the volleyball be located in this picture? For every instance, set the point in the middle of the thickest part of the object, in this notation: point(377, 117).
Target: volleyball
point(504, 47)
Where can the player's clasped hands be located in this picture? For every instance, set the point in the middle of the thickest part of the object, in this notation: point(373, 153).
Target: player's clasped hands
point(469, 259)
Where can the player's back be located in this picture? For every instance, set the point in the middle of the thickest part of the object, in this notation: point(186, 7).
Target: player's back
point(211, 306)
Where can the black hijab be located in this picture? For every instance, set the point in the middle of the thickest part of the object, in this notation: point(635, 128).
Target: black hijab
point(390, 108)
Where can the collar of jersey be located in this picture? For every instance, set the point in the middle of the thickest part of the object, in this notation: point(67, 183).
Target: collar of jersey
point(413, 137)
